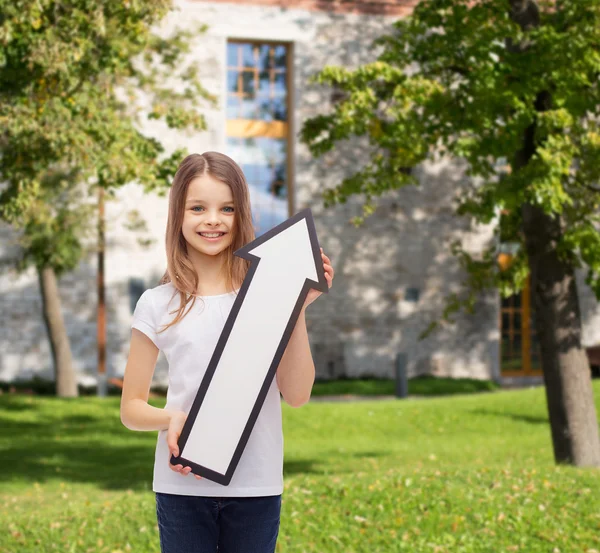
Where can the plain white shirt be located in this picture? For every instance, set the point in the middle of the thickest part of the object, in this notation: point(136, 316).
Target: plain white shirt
point(188, 347)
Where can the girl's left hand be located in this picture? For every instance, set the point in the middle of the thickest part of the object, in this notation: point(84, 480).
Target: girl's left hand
point(314, 294)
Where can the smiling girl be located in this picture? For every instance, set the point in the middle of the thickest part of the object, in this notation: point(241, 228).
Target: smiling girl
point(209, 218)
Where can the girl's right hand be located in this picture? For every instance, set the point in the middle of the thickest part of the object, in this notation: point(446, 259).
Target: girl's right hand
point(173, 432)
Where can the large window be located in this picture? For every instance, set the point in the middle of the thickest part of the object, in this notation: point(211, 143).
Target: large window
point(258, 131)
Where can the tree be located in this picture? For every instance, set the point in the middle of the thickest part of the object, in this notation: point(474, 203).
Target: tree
point(496, 82)
point(73, 79)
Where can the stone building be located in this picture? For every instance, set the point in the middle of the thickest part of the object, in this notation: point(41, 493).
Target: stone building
point(392, 274)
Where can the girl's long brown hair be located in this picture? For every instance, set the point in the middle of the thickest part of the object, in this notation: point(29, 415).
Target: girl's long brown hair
point(180, 270)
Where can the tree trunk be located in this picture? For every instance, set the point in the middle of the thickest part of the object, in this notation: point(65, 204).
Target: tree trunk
point(567, 375)
point(66, 381)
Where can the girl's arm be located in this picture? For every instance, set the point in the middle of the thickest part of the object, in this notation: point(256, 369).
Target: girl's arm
point(296, 372)
point(136, 413)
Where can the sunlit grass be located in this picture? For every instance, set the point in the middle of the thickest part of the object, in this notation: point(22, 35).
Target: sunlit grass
point(463, 473)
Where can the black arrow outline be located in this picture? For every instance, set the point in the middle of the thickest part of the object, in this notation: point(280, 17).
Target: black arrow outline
point(321, 285)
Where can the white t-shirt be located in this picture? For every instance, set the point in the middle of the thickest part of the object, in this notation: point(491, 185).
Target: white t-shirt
point(188, 347)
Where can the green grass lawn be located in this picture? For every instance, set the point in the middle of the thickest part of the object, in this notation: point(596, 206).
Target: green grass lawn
point(421, 386)
point(469, 473)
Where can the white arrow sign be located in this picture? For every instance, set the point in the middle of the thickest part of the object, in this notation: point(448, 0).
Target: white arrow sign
point(285, 264)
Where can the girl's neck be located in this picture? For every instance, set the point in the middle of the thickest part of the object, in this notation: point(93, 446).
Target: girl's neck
point(211, 272)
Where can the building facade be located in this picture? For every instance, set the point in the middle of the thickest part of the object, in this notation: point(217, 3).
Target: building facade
point(392, 274)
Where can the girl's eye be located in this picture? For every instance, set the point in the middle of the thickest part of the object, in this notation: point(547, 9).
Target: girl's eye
point(227, 209)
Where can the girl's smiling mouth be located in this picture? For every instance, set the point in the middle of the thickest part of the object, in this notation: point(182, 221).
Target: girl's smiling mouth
point(211, 236)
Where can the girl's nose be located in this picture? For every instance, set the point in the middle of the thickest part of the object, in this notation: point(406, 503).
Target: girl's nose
point(213, 219)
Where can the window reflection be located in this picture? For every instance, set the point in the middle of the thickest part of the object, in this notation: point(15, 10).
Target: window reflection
point(256, 82)
point(263, 161)
point(511, 354)
point(514, 312)
point(257, 90)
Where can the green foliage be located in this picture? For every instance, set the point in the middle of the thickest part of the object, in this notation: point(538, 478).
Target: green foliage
point(469, 474)
point(73, 79)
point(452, 80)
point(418, 386)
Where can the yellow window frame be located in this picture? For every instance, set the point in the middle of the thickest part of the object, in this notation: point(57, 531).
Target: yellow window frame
point(504, 261)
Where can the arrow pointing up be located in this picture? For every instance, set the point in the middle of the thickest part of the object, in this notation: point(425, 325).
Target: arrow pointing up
point(285, 264)
point(290, 248)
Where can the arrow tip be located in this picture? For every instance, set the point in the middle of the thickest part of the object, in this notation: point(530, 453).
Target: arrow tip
point(293, 244)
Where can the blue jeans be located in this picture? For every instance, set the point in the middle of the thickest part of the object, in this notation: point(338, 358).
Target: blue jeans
point(195, 524)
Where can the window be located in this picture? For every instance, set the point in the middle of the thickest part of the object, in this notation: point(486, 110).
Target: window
point(519, 346)
point(258, 130)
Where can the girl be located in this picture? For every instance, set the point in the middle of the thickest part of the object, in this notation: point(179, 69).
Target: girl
point(209, 218)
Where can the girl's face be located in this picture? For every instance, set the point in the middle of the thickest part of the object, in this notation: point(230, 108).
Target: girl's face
point(208, 220)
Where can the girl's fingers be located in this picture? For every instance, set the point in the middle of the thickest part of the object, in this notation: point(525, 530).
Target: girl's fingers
point(327, 264)
point(172, 443)
point(181, 469)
